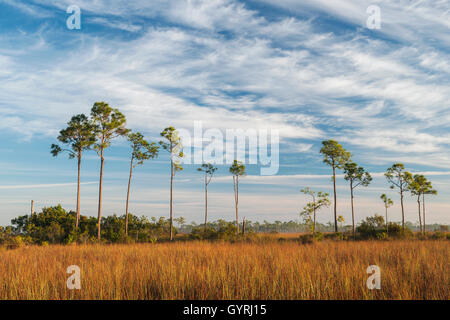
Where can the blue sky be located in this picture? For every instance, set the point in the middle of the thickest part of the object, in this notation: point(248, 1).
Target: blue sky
point(310, 69)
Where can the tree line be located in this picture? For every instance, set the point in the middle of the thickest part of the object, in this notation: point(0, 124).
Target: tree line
point(97, 131)
point(397, 177)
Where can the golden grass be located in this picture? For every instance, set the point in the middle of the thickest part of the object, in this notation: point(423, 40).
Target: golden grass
point(203, 270)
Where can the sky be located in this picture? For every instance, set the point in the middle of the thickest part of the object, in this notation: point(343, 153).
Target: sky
point(310, 69)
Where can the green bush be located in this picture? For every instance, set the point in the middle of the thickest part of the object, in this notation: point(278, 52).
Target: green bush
point(56, 225)
point(394, 229)
point(336, 236)
point(438, 235)
point(382, 235)
point(225, 231)
point(310, 238)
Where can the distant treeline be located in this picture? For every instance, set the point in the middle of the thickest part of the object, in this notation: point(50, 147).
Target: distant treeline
point(296, 226)
point(55, 225)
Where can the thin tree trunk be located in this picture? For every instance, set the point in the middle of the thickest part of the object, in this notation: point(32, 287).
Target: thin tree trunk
point(403, 209)
point(420, 218)
point(243, 226)
point(171, 194)
point(314, 214)
point(236, 200)
point(78, 192)
point(424, 223)
point(353, 211)
point(100, 196)
point(314, 222)
point(335, 200)
point(387, 229)
point(128, 196)
point(206, 202)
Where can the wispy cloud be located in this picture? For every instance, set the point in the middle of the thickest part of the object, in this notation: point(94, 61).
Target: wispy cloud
point(39, 186)
point(310, 69)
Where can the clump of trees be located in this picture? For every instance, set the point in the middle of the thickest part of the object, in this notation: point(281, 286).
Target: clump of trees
point(374, 227)
point(337, 157)
point(56, 225)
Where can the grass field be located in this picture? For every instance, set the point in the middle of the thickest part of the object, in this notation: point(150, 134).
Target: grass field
point(205, 270)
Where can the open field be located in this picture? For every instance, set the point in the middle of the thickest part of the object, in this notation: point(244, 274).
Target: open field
point(204, 270)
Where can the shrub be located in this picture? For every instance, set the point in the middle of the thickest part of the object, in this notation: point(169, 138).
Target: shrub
point(226, 231)
point(371, 227)
point(437, 235)
point(306, 238)
point(394, 229)
point(336, 236)
point(382, 236)
point(310, 238)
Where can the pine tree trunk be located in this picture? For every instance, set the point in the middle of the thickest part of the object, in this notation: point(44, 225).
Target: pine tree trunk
point(314, 220)
point(420, 218)
point(128, 196)
point(171, 196)
point(78, 192)
point(387, 229)
point(100, 196)
point(335, 200)
point(206, 203)
point(424, 223)
point(403, 209)
point(236, 200)
point(353, 211)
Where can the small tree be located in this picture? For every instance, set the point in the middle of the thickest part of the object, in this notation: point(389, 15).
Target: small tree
point(399, 178)
point(141, 150)
point(319, 200)
point(209, 171)
point(357, 176)
point(372, 227)
point(416, 187)
point(109, 124)
point(341, 220)
point(237, 169)
point(419, 186)
point(79, 136)
point(387, 203)
point(335, 156)
point(428, 189)
point(175, 147)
